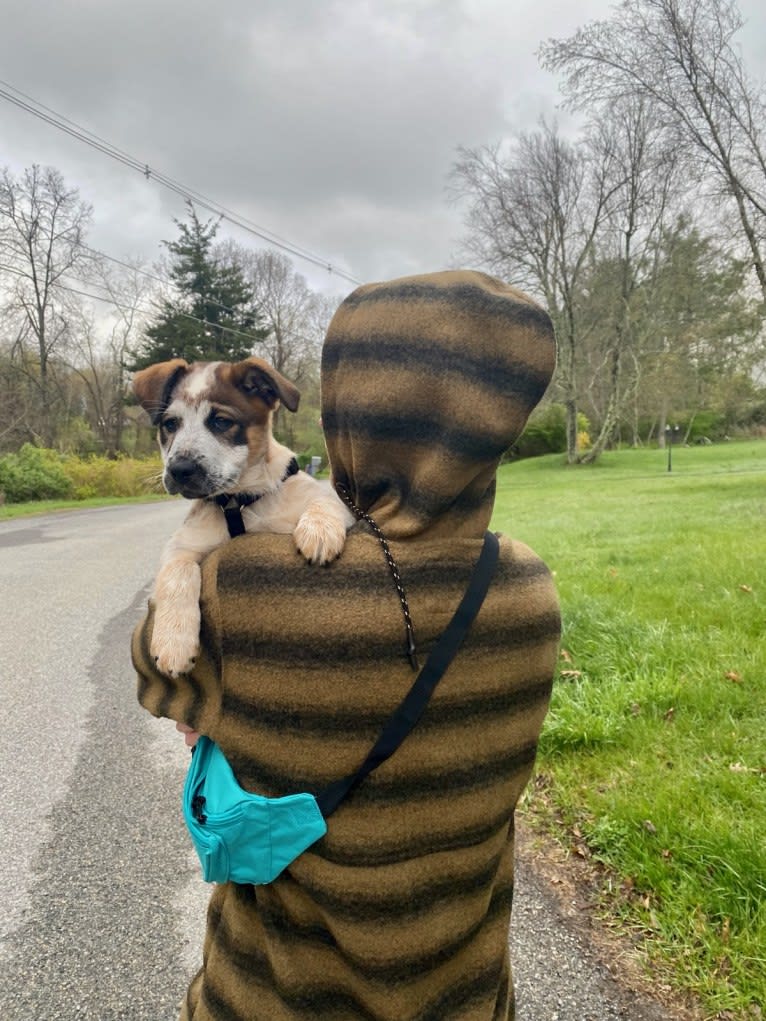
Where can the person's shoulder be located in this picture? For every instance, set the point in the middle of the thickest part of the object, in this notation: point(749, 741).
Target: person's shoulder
point(516, 556)
point(523, 575)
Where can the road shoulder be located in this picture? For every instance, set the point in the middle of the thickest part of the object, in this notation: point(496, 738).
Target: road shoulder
point(568, 965)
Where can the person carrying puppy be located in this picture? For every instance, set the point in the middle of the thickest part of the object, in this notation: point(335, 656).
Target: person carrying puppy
point(400, 910)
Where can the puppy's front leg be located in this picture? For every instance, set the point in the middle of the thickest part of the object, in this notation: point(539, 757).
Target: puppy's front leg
point(175, 636)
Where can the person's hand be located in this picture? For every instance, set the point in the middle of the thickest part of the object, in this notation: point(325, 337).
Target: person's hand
point(190, 736)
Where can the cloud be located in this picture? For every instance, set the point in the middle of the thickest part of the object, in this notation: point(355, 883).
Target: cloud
point(332, 124)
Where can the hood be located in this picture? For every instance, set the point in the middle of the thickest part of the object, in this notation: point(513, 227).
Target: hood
point(426, 382)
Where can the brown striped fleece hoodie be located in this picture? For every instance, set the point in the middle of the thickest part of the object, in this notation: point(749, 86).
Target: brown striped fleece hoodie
point(401, 912)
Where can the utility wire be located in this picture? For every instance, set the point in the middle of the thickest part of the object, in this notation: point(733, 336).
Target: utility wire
point(165, 281)
point(27, 103)
point(139, 308)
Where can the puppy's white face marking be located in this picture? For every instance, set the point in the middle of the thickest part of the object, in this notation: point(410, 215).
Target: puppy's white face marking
point(200, 381)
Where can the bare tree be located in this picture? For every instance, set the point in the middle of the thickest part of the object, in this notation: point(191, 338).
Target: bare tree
point(42, 231)
point(102, 343)
point(680, 57)
point(18, 404)
point(289, 310)
point(533, 215)
point(296, 318)
point(644, 175)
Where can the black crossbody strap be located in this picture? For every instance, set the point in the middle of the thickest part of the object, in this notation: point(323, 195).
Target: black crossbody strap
point(412, 706)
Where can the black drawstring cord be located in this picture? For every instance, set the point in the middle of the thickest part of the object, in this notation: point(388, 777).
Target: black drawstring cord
point(412, 654)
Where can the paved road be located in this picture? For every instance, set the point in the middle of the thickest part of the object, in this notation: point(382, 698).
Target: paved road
point(101, 908)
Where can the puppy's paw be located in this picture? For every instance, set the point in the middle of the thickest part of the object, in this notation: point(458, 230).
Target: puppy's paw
point(175, 644)
point(320, 536)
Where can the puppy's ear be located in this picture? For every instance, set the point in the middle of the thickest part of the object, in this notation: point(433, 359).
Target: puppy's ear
point(257, 378)
point(153, 386)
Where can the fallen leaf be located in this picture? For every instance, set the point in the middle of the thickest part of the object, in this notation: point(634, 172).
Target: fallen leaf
point(650, 827)
point(570, 673)
point(739, 767)
point(732, 675)
point(566, 655)
point(667, 855)
point(745, 588)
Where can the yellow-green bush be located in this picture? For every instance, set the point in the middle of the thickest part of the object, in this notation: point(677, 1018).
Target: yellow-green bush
point(122, 476)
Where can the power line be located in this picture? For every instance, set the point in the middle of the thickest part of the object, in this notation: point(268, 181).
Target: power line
point(139, 308)
point(56, 120)
point(165, 281)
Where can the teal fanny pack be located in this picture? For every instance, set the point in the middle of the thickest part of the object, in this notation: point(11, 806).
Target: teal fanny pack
point(239, 836)
point(247, 838)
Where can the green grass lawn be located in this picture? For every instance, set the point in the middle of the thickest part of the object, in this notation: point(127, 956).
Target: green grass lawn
point(654, 751)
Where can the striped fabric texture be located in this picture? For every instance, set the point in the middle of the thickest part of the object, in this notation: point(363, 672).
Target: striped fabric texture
point(401, 912)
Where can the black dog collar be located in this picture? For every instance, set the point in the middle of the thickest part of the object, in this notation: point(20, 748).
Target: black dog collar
point(232, 503)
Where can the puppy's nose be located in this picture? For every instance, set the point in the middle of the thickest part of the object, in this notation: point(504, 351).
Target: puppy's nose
point(183, 470)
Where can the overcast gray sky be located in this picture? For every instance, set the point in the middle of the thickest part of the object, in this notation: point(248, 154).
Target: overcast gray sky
point(332, 123)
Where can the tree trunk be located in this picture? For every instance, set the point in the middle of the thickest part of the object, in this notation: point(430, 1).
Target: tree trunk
point(612, 415)
point(662, 423)
point(570, 398)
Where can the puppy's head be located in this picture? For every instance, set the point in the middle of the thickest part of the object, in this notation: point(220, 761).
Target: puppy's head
point(213, 419)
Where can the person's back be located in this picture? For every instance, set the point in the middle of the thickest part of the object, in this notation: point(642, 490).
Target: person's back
point(401, 911)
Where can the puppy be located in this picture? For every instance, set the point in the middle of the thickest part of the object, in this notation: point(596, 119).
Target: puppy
point(214, 428)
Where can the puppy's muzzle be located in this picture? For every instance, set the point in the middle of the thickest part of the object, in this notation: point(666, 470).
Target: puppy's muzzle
point(188, 477)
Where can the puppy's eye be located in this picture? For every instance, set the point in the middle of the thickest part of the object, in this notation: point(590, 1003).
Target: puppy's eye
point(170, 425)
point(220, 423)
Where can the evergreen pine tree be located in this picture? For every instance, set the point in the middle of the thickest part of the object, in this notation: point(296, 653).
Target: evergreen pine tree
point(213, 315)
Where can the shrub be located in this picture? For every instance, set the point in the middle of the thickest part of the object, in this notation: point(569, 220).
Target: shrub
point(583, 437)
point(546, 432)
point(33, 474)
point(707, 424)
point(121, 476)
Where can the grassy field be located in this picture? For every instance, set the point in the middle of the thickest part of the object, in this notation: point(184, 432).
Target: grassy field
point(653, 756)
